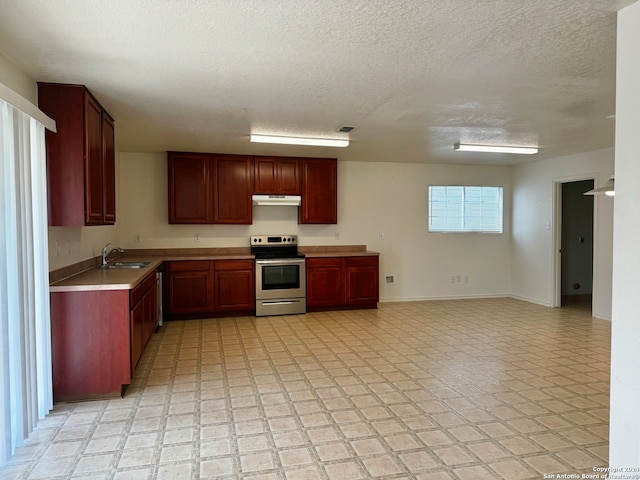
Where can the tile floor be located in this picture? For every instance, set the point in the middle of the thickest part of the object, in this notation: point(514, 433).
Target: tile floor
point(467, 389)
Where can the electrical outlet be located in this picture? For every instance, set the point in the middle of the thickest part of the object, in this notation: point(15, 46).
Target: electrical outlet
point(453, 279)
point(136, 238)
point(196, 237)
point(381, 235)
point(337, 235)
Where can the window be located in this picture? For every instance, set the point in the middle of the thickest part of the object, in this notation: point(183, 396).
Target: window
point(460, 208)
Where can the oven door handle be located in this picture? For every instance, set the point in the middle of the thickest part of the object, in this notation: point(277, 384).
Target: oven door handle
point(281, 261)
point(280, 302)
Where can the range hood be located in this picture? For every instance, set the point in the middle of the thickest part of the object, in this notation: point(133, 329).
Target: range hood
point(287, 200)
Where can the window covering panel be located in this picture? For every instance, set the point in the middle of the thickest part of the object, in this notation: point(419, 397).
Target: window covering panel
point(25, 331)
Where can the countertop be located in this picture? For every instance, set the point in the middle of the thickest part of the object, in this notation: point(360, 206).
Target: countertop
point(96, 278)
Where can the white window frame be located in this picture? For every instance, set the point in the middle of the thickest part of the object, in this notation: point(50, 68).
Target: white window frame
point(455, 209)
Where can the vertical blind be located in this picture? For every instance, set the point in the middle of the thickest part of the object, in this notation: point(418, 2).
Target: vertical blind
point(25, 332)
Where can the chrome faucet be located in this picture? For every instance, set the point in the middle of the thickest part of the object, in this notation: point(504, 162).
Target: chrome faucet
point(105, 255)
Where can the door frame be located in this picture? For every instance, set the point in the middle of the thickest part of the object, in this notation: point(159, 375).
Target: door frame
point(556, 280)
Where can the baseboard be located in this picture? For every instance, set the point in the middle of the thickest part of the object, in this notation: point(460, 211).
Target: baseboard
point(452, 297)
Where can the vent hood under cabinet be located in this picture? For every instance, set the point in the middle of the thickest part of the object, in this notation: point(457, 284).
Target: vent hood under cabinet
point(280, 200)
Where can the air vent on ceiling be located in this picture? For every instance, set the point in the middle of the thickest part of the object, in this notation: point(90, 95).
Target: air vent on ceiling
point(345, 129)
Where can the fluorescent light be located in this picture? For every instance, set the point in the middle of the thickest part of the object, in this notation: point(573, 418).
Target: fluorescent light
point(465, 147)
point(321, 142)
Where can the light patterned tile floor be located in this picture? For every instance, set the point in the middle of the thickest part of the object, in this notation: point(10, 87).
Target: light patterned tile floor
point(467, 389)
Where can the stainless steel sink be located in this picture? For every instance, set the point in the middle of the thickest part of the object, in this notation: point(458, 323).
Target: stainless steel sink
point(127, 265)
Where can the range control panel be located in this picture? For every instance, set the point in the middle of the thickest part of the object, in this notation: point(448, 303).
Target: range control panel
point(274, 240)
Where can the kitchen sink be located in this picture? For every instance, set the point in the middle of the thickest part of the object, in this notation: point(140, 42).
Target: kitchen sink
point(127, 265)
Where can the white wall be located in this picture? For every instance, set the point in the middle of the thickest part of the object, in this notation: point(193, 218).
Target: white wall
point(533, 251)
point(17, 80)
point(373, 198)
point(624, 426)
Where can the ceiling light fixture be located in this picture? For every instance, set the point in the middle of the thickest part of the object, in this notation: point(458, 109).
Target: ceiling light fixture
point(608, 189)
point(465, 147)
point(320, 142)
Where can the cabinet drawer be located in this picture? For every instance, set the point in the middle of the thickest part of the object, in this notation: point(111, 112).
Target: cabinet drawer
point(362, 261)
point(324, 262)
point(234, 265)
point(136, 294)
point(189, 265)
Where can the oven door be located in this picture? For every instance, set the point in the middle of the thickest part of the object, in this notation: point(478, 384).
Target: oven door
point(280, 278)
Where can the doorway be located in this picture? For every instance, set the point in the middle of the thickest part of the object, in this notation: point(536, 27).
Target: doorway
point(576, 245)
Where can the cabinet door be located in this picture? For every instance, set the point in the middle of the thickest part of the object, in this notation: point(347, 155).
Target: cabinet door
point(137, 322)
point(150, 321)
point(190, 287)
point(289, 176)
point(319, 191)
point(108, 169)
point(190, 188)
point(325, 285)
point(234, 285)
point(266, 171)
point(94, 194)
point(233, 189)
point(361, 280)
point(277, 175)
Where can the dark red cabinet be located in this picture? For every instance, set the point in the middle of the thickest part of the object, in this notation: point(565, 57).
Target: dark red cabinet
point(189, 286)
point(80, 157)
point(209, 286)
point(191, 186)
point(319, 191)
point(98, 337)
point(342, 282)
point(277, 175)
point(207, 189)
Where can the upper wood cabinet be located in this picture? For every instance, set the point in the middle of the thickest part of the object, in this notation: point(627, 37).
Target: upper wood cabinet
point(233, 189)
point(191, 186)
point(319, 191)
point(277, 175)
point(80, 157)
point(206, 188)
point(209, 188)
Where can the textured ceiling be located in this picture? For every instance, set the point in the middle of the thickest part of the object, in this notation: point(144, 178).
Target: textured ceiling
point(414, 76)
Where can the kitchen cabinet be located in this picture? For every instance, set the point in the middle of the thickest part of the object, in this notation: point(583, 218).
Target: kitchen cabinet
point(80, 157)
point(189, 287)
point(361, 280)
point(325, 285)
point(206, 188)
point(342, 282)
point(206, 287)
point(319, 191)
point(277, 175)
point(191, 187)
point(144, 317)
point(97, 338)
point(233, 189)
point(234, 285)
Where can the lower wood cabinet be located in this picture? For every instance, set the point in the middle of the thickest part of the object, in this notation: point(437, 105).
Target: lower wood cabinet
point(195, 287)
point(97, 338)
point(144, 317)
point(189, 286)
point(234, 285)
point(342, 282)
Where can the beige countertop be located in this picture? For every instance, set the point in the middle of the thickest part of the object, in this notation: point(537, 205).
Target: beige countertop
point(96, 278)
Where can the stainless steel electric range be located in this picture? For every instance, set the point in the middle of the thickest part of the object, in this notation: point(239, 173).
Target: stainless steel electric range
point(280, 275)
